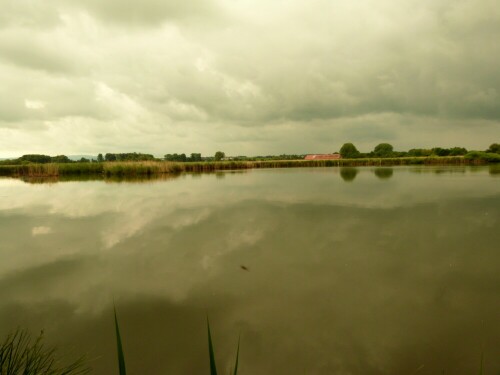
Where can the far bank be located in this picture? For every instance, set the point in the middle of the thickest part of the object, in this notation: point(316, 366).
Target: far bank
point(146, 168)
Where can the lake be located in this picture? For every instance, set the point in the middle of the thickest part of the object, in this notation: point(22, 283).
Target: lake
point(321, 271)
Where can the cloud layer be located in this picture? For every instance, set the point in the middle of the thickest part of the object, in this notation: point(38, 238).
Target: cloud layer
point(247, 77)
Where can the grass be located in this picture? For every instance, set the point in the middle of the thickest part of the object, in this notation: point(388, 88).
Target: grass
point(155, 168)
point(211, 355)
point(20, 354)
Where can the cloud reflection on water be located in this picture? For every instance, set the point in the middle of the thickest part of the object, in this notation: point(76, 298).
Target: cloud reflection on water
point(365, 277)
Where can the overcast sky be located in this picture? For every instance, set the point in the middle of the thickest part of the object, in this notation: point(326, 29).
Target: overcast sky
point(247, 77)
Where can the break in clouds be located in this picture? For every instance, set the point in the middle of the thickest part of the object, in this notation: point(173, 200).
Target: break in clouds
point(247, 77)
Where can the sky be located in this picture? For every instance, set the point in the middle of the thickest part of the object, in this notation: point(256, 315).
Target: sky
point(247, 77)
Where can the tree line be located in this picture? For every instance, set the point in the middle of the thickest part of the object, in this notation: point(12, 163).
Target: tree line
point(347, 151)
point(386, 150)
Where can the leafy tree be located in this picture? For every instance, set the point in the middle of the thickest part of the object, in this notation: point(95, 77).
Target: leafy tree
point(110, 157)
point(419, 152)
point(100, 159)
point(60, 159)
point(219, 155)
point(35, 158)
point(440, 151)
point(349, 151)
point(195, 157)
point(454, 151)
point(175, 157)
point(129, 156)
point(494, 148)
point(383, 150)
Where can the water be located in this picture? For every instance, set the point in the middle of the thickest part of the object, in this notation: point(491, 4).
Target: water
point(348, 271)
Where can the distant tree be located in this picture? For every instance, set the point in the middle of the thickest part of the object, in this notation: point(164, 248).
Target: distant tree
point(133, 156)
point(100, 159)
point(110, 157)
point(455, 151)
point(175, 157)
point(399, 154)
point(219, 155)
point(383, 150)
point(60, 159)
point(494, 148)
point(84, 160)
point(35, 158)
point(349, 151)
point(438, 151)
point(419, 152)
point(195, 157)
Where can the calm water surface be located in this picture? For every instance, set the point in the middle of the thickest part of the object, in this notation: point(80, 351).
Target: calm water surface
point(349, 271)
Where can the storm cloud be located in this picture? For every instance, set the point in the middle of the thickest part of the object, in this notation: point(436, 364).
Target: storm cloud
point(247, 77)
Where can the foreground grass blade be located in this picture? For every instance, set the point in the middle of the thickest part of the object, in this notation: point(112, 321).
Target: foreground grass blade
point(121, 357)
point(237, 356)
point(213, 368)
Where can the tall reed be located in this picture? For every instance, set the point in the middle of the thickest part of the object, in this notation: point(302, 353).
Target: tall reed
point(119, 348)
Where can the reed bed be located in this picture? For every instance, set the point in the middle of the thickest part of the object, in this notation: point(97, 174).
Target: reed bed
point(153, 168)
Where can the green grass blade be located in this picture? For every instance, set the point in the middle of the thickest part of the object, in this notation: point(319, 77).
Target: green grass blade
point(213, 369)
point(121, 357)
point(237, 357)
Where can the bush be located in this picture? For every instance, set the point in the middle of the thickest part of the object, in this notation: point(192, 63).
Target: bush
point(483, 156)
point(494, 148)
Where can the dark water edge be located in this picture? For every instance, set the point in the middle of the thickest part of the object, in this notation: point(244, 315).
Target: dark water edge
point(347, 173)
point(349, 270)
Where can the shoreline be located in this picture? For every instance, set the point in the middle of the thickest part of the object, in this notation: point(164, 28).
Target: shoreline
point(150, 168)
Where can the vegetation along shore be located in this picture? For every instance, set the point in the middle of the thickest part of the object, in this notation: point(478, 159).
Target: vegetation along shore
point(137, 164)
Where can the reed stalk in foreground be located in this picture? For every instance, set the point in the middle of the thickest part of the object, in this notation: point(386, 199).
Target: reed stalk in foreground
point(213, 368)
point(119, 348)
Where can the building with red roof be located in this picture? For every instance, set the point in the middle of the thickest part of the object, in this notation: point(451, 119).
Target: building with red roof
point(323, 157)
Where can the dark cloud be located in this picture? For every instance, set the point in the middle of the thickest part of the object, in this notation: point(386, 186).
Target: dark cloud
point(372, 72)
point(22, 50)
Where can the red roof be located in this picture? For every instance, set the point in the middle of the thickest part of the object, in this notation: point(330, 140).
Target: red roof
point(323, 157)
